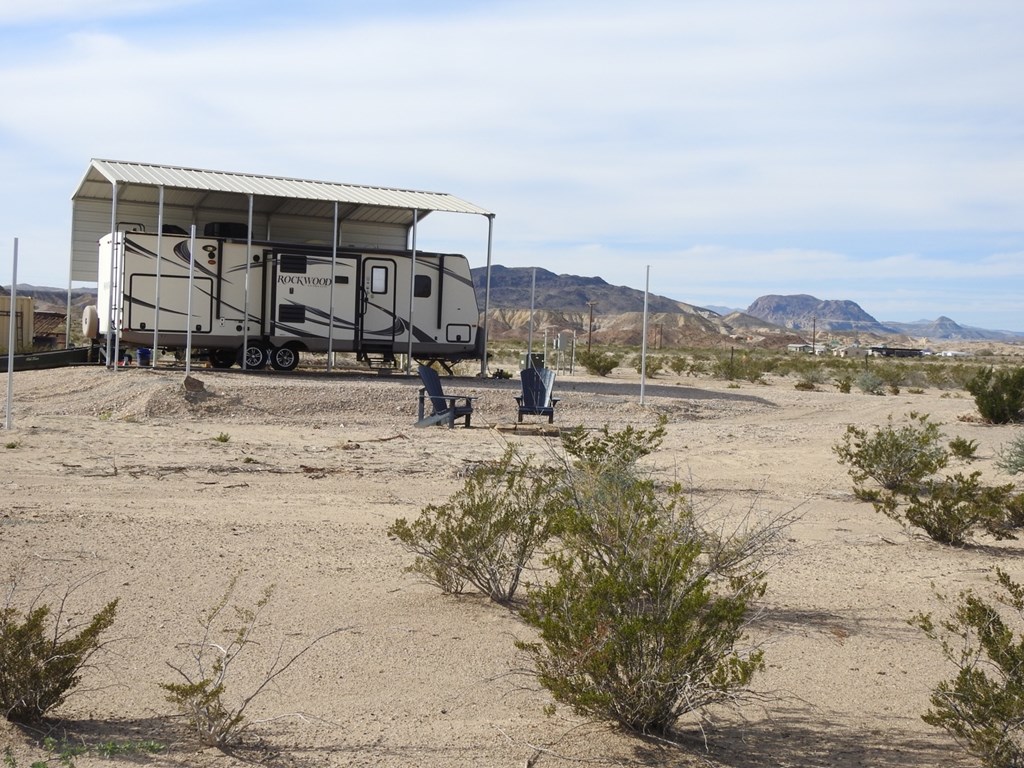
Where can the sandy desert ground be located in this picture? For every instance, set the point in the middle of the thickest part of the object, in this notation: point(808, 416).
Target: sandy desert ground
point(116, 479)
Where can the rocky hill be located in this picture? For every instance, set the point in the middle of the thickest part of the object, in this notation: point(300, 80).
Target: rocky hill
point(805, 313)
point(567, 302)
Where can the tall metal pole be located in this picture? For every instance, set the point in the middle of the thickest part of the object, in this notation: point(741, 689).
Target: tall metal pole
point(643, 346)
point(487, 297)
point(529, 338)
point(12, 322)
point(188, 312)
point(590, 331)
point(245, 290)
point(412, 290)
point(159, 264)
point(112, 323)
point(334, 272)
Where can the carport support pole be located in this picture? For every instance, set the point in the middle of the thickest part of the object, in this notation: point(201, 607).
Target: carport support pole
point(159, 264)
point(412, 289)
point(188, 313)
point(334, 272)
point(487, 296)
point(111, 319)
point(12, 321)
point(245, 290)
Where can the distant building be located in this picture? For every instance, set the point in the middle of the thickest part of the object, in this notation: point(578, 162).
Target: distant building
point(807, 349)
point(854, 350)
point(894, 352)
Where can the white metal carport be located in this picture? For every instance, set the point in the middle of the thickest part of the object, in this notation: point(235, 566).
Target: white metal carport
point(115, 194)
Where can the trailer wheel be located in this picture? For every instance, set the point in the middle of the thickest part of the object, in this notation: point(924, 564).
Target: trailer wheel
point(90, 322)
point(223, 358)
point(255, 355)
point(284, 358)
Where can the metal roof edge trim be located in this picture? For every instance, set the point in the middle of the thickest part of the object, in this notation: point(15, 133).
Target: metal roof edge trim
point(118, 171)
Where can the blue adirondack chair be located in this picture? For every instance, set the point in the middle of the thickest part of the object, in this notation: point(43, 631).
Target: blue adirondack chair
point(442, 407)
point(536, 399)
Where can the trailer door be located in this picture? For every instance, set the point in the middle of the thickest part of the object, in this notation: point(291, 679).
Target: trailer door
point(379, 324)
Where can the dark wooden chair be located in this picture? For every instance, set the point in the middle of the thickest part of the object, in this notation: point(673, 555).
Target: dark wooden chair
point(536, 399)
point(443, 408)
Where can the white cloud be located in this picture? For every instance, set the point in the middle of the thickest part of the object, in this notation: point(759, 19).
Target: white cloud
point(21, 12)
point(641, 129)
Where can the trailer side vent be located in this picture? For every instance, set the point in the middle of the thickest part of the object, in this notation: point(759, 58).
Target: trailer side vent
point(292, 263)
point(291, 313)
point(230, 229)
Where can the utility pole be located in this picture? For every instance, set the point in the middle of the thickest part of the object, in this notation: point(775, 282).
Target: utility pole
point(590, 332)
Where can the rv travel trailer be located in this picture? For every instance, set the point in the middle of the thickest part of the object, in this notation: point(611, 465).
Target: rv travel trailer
point(256, 302)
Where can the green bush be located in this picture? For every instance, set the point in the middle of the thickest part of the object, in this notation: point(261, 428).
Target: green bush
point(869, 383)
point(651, 363)
point(964, 449)
point(487, 532)
point(999, 394)
point(743, 366)
point(1010, 458)
point(897, 459)
point(982, 707)
point(213, 717)
point(642, 619)
point(949, 509)
point(598, 363)
point(42, 658)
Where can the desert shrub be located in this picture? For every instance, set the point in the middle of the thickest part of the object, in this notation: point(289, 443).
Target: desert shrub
point(43, 653)
point(805, 385)
point(487, 532)
point(844, 384)
point(896, 458)
point(869, 383)
point(982, 707)
point(698, 367)
point(214, 717)
point(652, 364)
point(1010, 458)
point(642, 619)
point(598, 363)
point(964, 449)
point(949, 509)
point(999, 394)
point(743, 366)
point(678, 364)
point(893, 375)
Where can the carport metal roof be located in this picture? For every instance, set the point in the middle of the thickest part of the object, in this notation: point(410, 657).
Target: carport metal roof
point(225, 192)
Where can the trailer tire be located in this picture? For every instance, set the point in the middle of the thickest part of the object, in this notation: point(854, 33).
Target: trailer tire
point(284, 358)
point(223, 358)
point(90, 322)
point(255, 356)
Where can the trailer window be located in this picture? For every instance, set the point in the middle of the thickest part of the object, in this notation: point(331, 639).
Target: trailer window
point(421, 286)
point(292, 263)
point(378, 279)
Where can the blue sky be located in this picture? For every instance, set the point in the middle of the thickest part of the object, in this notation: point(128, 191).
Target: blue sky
point(870, 150)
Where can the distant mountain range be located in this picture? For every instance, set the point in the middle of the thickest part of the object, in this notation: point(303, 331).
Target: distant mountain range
point(795, 315)
point(568, 301)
